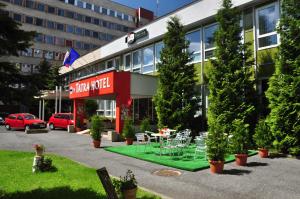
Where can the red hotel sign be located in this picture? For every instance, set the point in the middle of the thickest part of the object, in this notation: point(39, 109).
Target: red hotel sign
point(94, 86)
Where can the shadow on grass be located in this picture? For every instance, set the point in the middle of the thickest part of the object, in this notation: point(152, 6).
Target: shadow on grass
point(53, 193)
point(256, 164)
point(238, 172)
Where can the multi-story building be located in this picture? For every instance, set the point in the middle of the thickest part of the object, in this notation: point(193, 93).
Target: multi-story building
point(82, 24)
point(110, 73)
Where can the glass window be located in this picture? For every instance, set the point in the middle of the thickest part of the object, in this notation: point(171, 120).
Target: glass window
point(18, 2)
point(88, 6)
point(148, 60)
point(48, 54)
point(60, 12)
point(86, 46)
point(49, 39)
point(50, 24)
point(29, 4)
point(97, 8)
point(59, 41)
point(126, 17)
point(195, 45)
point(87, 32)
point(101, 107)
point(40, 7)
point(108, 108)
point(103, 36)
point(104, 11)
point(209, 41)
point(71, 2)
point(110, 63)
point(51, 10)
point(248, 19)
point(104, 23)
point(38, 22)
point(78, 44)
point(70, 14)
point(136, 59)
point(158, 47)
point(127, 61)
point(117, 63)
point(27, 52)
point(119, 15)
point(96, 21)
point(112, 13)
point(79, 17)
point(78, 31)
point(70, 29)
point(95, 34)
point(267, 18)
point(88, 19)
point(69, 43)
point(60, 26)
point(79, 4)
point(38, 53)
point(17, 17)
point(39, 38)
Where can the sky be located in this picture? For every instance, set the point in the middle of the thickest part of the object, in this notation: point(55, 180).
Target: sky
point(165, 6)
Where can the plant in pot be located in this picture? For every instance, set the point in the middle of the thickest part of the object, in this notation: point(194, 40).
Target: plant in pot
point(263, 138)
point(126, 185)
point(128, 131)
point(145, 125)
point(96, 130)
point(239, 141)
point(216, 147)
point(90, 107)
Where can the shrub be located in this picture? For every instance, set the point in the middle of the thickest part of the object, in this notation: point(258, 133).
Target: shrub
point(239, 142)
point(128, 129)
point(145, 125)
point(263, 136)
point(96, 127)
point(125, 183)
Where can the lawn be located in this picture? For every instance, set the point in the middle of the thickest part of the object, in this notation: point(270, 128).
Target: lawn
point(152, 154)
point(70, 180)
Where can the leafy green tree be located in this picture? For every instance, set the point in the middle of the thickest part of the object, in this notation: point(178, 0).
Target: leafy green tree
point(284, 86)
point(176, 100)
point(12, 40)
point(230, 84)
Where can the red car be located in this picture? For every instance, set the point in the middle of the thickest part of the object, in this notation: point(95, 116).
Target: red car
point(61, 120)
point(24, 121)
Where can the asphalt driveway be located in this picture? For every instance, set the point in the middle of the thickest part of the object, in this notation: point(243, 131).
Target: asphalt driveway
point(262, 178)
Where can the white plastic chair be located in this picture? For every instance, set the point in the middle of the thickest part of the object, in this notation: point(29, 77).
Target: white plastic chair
point(140, 140)
point(200, 146)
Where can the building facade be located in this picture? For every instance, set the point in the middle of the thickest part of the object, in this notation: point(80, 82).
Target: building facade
point(139, 52)
point(84, 25)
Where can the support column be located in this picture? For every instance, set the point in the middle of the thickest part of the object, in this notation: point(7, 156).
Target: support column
point(59, 104)
point(40, 108)
point(78, 112)
point(43, 110)
point(123, 104)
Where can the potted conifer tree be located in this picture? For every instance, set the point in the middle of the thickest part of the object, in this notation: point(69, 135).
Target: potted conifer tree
point(128, 131)
point(239, 141)
point(263, 138)
point(96, 130)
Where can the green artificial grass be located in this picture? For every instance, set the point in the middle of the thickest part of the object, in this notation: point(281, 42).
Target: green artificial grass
point(184, 162)
point(69, 180)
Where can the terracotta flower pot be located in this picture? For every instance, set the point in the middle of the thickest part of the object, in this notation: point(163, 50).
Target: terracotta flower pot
point(241, 159)
point(96, 143)
point(130, 193)
point(263, 153)
point(216, 166)
point(129, 141)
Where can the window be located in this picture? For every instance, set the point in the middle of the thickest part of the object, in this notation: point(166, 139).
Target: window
point(209, 41)
point(148, 60)
point(39, 38)
point(38, 22)
point(86, 46)
point(60, 12)
point(71, 2)
point(136, 59)
point(59, 41)
point(78, 31)
point(50, 24)
point(78, 44)
point(18, 2)
point(96, 8)
point(48, 54)
point(104, 23)
point(88, 6)
point(119, 15)
point(95, 34)
point(248, 19)
point(96, 21)
point(17, 17)
point(88, 19)
point(80, 4)
point(104, 11)
point(70, 29)
point(127, 61)
point(267, 18)
point(195, 45)
point(49, 39)
point(87, 32)
point(117, 63)
point(29, 4)
point(70, 14)
point(69, 43)
point(60, 26)
point(38, 53)
point(40, 7)
point(101, 107)
point(79, 17)
point(51, 10)
point(102, 36)
point(126, 17)
point(158, 47)
point(110, 63)
point(27, 52)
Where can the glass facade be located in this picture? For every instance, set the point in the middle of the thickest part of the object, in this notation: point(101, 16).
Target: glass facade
point(195, 45)
point(148, 60)
point(209, 41)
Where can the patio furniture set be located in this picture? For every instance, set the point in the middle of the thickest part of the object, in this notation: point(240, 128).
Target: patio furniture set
point(172, 142)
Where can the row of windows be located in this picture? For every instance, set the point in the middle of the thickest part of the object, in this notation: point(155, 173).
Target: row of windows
point(100, 9)
point(62, 27)
point(107, 108)
point(70, 14)
point(50, 55)
point(145, 60)
point(27, 68)
point(58, 41)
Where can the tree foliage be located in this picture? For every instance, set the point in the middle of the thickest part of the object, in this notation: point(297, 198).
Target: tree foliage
point(176, 101)
point(284, 86)
point(12, 40)
point(230, 77)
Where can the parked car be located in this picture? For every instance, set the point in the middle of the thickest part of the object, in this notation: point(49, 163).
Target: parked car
point(24, 121)
point(2, 121)
point(60, 120)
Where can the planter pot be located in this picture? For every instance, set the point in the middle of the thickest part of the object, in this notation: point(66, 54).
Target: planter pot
point(241, 159)
point(96, 143)
point(216, 166)
point(129, 141)
point(130, 193)
point(263, 153)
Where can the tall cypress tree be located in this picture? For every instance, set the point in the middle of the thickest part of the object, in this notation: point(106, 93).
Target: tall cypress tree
point(230, 84)
point(284, 86)
point(176, 101)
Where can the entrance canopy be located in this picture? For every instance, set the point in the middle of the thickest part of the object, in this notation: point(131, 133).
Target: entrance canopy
point(121, 85)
